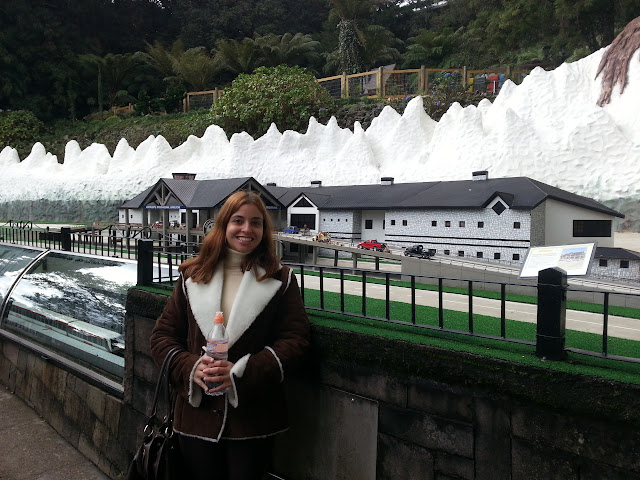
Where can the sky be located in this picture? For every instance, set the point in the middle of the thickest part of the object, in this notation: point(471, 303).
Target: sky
point(548, 128)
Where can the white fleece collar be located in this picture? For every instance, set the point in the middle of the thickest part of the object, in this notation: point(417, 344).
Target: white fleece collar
point(251, 299)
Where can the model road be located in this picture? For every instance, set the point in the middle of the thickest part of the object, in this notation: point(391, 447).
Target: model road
point(620, 327)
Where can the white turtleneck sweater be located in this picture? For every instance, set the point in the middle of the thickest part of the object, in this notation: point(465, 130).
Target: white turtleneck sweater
point(232, 278)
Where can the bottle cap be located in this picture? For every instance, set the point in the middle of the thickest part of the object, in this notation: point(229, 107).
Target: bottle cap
point(219, 318)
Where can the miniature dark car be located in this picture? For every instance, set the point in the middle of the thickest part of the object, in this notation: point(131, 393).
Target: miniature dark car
point(417, 251)
point(291, 229)
point(374, 245)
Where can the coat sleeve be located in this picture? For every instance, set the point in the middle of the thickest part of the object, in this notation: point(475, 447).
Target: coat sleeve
point(171, 330)
point(284, 355)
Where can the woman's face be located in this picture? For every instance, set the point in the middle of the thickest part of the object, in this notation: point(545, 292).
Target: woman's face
point(244, 230)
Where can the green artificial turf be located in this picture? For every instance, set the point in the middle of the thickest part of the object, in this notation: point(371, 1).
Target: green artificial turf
point(401, 328)
point(513, 352)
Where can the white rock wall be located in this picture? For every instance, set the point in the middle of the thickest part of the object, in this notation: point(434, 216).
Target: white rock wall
point(548, 128)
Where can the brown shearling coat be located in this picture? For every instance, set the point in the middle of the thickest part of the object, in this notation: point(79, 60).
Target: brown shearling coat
point(268, 332)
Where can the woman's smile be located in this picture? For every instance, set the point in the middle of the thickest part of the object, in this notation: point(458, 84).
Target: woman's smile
point(244, 230)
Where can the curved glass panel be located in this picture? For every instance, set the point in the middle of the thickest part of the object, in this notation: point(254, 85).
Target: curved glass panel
point(74, 304)
point(12, 261)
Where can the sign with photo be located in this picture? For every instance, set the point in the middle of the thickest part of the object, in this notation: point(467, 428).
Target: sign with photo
point(573, 259)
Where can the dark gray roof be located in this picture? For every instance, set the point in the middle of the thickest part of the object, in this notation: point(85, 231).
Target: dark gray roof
point(616, 253)
point(518, 192)
point(200, 194)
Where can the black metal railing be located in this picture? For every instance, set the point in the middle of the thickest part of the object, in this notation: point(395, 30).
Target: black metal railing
point(108, 241)
point(157, 265)
point(366, 276)
point(159, 259)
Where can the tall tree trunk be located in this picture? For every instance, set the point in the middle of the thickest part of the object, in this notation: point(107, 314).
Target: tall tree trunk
point(349, 47)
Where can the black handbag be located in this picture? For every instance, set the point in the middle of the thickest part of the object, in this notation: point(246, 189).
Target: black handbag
point(158, 458)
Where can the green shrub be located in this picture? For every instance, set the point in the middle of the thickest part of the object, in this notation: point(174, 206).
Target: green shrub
point(286, 96)
point(172, 100)
point(20, 130)
point(143, 105)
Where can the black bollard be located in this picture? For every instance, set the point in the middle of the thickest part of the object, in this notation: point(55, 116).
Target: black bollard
point(65, 238)
point(145, 262)
point(552, 314)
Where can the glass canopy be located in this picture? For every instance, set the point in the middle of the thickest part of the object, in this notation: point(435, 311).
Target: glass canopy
point(71, 303)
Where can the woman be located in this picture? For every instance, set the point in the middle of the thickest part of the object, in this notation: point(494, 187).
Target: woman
point(236, 272)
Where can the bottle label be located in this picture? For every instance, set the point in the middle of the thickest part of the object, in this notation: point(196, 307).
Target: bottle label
point(221, 347)
point(217, 347)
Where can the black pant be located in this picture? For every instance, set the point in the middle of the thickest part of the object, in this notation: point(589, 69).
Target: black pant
point(227, 459)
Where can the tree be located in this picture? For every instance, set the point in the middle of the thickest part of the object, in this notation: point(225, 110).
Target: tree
point(163, 60)
point(196, 68)
point(204, 22)
point(287, 49)
point(430, 48)
point(380, 46)
point(593, 23)
point(238, 57)
point(286, 96)
point(41, 41)
point(350, 15)
point(113, 71)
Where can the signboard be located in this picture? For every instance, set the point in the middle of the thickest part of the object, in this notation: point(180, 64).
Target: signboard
point(163, 207)
point(573, 259)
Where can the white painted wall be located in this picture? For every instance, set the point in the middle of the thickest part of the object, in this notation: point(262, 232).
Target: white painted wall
point(313, 210)
point(135, 216)
point(559, 219)
point(377, 232)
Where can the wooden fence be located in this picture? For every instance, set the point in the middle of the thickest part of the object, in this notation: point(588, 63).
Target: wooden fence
point(399, 83)
point(123, 110)
point(195, 100)
point(387, 83)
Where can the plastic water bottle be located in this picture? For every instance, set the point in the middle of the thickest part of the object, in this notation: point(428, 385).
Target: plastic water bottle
point(217, 346)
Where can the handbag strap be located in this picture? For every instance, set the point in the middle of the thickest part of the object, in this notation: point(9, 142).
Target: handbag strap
point(164, 385)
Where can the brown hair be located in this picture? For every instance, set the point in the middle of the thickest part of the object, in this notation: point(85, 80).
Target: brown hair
point(213, 248)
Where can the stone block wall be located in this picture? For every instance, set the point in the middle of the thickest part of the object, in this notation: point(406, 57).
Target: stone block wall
point(463, 235)
point(613, 270)
point(341, 224)
point(451, 415)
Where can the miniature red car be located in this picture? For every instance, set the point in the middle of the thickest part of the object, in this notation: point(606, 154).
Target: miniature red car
point(374, 245)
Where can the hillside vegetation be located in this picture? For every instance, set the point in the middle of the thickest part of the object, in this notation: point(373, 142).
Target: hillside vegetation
point(286, 96)
point(75, 58)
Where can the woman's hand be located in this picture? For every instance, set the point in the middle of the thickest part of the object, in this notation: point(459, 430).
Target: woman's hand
point(214, 371)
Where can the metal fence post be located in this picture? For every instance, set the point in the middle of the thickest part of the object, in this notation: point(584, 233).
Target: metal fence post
point(145, 262)
point(65, 238)
point(552, 314)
